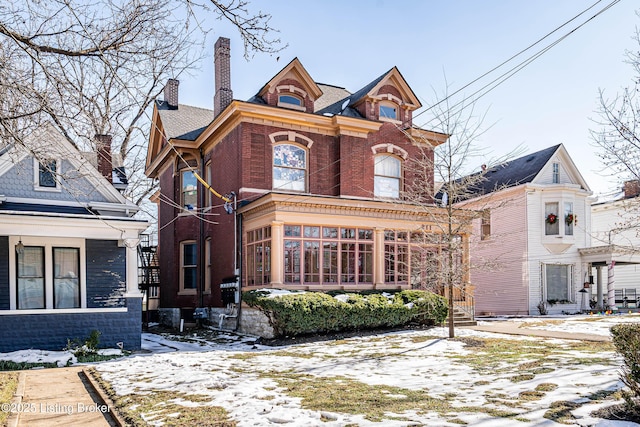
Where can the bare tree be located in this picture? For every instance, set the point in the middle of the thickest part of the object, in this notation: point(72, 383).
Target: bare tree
point(95, 68)
point(618, 134)
point(440, 260)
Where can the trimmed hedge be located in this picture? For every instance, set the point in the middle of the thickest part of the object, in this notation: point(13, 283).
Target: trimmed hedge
point(626, 338)
point(299, 313)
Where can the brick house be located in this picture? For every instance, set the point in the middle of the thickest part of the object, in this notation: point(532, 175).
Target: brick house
point(319, 176)
point(68, 261)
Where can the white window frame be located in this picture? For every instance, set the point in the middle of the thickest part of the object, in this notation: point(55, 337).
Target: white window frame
point(48, 244)
point(36, 176)
point(555, 173)
point(569, 284)
point(285, 104)
point(376, 188)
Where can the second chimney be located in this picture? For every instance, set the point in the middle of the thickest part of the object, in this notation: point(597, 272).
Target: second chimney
point(103, 150)
point(631, 188)
point(222, 65)
point(171, 94)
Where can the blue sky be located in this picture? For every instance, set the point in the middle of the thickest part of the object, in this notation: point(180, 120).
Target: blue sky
point(350, 43)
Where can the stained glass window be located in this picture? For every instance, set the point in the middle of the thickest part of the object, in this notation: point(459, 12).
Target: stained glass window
point(289, 168)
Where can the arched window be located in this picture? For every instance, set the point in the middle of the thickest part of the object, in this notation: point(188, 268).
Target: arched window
point(289, 168)
point(387, 171)
point(290, 100)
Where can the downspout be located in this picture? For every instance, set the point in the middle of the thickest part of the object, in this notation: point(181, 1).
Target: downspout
point(237, 253)
point(201, 199)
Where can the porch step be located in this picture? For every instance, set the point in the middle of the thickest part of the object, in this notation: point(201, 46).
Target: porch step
point(460, 318)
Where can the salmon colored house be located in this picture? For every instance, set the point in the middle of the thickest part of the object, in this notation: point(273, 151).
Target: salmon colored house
point(312, 179)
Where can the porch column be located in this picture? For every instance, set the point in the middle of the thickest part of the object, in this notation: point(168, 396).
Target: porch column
point(611, 296)
point(378, 262)
point(599, 287)
point(277, 253)
point(131, 263)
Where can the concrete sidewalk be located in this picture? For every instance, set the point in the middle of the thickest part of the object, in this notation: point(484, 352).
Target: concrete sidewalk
point(59, 397)
point(514, 328)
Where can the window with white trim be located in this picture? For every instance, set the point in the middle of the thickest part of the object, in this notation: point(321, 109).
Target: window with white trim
point(47, 275)
point(557, 282)
point(289, 167)
point(551, 219)
point(387, 176)
point(188, 267)
point(569, 218)
point(556, 173)
point(46, 175)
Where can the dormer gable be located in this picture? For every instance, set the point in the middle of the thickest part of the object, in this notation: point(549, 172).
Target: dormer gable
point(387, 98)
point(291, 88)
point(560, 169)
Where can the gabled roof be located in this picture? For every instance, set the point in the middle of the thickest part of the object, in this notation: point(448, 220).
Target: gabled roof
point(523, 170)
point(295, 68)
point(48, 141)
point(185, 122)
point(370, 90)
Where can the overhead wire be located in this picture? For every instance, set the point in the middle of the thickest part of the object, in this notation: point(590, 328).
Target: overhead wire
point(518, 67)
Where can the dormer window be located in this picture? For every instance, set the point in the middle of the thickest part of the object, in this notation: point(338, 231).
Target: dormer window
point(388, 111)
point(289, 99)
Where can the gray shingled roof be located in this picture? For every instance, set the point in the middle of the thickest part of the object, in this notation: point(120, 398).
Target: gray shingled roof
point(519, 171)
point(330, 95)
point(185, 122)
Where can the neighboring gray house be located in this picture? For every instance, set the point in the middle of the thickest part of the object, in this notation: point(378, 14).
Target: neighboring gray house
point(68, 261)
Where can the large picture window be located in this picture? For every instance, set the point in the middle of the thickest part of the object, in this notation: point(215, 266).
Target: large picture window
point(557, 282)
point(289, 168)
point(314, 254)
point(387, 179)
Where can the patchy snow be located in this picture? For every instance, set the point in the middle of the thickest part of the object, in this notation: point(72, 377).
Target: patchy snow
point(236, 373)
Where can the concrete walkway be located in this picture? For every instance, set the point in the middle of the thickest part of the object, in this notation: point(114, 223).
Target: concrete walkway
point(59, 397)
point(514, 328)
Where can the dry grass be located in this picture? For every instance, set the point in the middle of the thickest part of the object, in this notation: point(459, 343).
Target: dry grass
point(8, 386)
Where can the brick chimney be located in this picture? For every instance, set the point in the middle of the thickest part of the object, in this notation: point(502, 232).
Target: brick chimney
point(631, 188)
point(171, 93)
point(105, 163)
point(222, 65)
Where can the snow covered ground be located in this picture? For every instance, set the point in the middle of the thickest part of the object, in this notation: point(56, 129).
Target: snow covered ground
point(241, 376)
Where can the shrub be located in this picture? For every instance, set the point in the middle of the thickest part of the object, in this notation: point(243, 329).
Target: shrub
point(626, 338)
point(299, 313)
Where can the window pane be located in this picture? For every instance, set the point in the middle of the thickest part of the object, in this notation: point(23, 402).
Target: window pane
point(66, 281)
point(388, 112)
point(291, 261)
point(189, 190)
point(568, 218)
point(47, 174)
point(387, 166)
point(312, 262)
point(190, 278)
point(551, 228)
point(288, 99)
point(386, 187)
point(288, 179)
point(189, 254)
point(557, 277)
point(289, 156)
point(31, 278)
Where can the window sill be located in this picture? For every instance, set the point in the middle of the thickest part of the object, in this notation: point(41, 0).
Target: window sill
point(63, 311)
point(47, 189)
point(187, 292)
